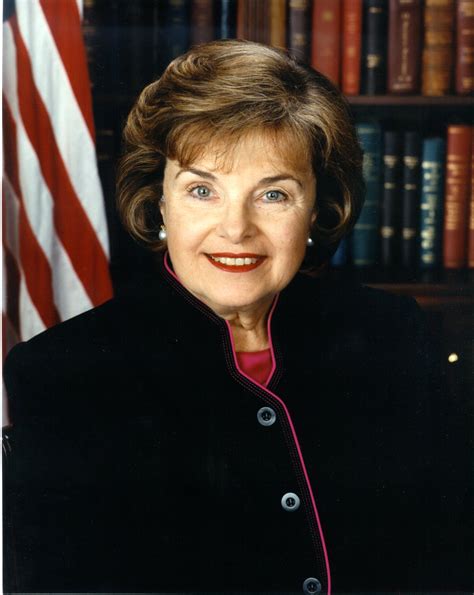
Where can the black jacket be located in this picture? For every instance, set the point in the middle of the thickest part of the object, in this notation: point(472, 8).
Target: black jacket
point(139, 461)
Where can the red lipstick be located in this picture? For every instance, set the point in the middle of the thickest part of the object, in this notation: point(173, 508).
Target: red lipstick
point(257, 260)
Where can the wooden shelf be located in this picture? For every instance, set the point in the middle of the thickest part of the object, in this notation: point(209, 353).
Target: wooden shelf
point(411, 100)
point(431, 289)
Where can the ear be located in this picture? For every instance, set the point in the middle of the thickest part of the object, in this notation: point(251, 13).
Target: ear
point(162, 204)
point(313, 217)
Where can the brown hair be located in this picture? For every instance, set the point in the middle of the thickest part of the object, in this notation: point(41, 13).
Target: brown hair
point(221, 91)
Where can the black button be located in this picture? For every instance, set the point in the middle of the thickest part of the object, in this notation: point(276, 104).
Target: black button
point(266, 416)
point(290, 502)
point(311, 585)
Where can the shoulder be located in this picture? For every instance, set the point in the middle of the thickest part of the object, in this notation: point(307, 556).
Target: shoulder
point(84, 360)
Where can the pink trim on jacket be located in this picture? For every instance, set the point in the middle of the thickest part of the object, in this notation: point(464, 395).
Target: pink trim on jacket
point(293, 431)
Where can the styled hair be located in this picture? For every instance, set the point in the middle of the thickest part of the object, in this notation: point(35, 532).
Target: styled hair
point(215, 95)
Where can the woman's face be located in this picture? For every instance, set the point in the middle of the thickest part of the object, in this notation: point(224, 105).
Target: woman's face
point(237, 236)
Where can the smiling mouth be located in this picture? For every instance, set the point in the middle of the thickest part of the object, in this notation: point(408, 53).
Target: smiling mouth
point(236, 263)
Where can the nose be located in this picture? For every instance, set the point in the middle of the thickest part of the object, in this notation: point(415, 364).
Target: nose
point(236, 222)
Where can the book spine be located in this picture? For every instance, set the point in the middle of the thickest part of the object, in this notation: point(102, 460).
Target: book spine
point(351, 46)
point(470, 242)
point(242, 19)
point(457, 190)
point(438, 49)
point(298, 29)
point(326, 38)
point(410, 197)
point(465, 47)
point(278, 23)
point(340, 257)
point(391, 206)
point(90, 33)
point(374, 53)
point(177, 29)
point(365, 235)
point(404, 46)
point(202, 21)
point(226, 19)
point(262, 10)
point(432, 189)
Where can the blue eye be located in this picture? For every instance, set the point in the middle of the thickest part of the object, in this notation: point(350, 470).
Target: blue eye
point(202, 192)
point(274, 196)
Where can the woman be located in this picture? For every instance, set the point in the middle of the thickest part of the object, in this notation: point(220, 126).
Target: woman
point(230, 424)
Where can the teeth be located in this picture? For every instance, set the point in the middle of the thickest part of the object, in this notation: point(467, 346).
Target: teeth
point(234, 262)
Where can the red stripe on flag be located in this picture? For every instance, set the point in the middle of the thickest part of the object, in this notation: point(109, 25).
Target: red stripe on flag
point(65, 24)
point(13, 289)
point(72, 225)
point(36, 268)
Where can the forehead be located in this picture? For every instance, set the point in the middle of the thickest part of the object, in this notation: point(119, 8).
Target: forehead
point(271, 150)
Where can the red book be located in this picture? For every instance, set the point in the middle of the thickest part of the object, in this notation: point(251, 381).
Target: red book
point(457, 194)
point(298, 29)
point(404, 46)
point(242, 19)
point(202, 21)
point(470, 240)
point(465, 47)
point(351, 46)
point(326, 38)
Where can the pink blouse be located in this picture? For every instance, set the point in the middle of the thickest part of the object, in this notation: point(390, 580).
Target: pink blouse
point(256, 364)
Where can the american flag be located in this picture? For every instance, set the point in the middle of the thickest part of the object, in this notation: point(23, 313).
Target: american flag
point(55, 240)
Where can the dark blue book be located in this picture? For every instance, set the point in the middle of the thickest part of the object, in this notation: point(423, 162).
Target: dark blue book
point(226, 19)
point(390, 215)
point(340, 256)
point(176, 16)
point(410, 198)
point(374, 46)
point(365, 237)
point(431, 207)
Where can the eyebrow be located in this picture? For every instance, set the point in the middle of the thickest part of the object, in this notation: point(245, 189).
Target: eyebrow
point(267, 180)
point(197, 172)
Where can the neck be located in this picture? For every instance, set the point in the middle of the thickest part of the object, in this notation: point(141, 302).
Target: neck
point(249, 328)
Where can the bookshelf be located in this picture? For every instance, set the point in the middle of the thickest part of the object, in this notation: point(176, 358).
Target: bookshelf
point(142, 33)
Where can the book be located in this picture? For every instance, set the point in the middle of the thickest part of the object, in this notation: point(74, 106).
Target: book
point(365, 236)
point(390, 212)
point(326, 38)
point(470, 239)
point(438, 48)
point(100, 26)
point(299, 29)
point(202, 21)
point(351, 46)
point(242, 19)
point(464, 47)
point(340, 257)
point(374, 53)
point(431, 204)
point(410, 198)
point(457, 193)
point(277, 33)
point(404, 46)
point(226, 19)
point(176, 26)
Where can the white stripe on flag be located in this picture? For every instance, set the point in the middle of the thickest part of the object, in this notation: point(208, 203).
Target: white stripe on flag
point(69, 294)
point(30, 321)
point(52, 82)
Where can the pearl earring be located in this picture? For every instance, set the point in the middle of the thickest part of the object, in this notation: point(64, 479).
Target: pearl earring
point(309, 242)
point(162, 234)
